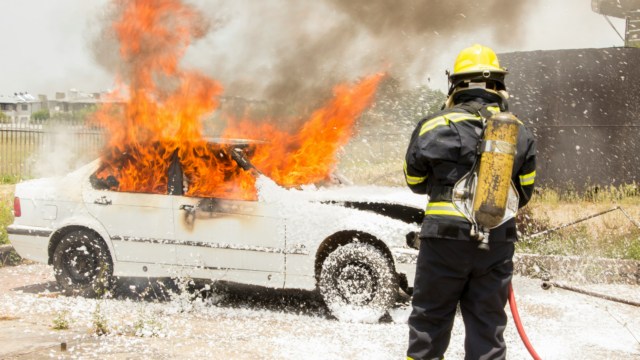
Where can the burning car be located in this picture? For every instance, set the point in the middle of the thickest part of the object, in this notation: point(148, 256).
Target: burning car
point(348, 242)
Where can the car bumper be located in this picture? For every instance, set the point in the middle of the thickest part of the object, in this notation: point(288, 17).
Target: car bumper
point(30, 242)
point(406, 260)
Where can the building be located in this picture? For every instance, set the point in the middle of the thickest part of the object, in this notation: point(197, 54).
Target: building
point(582, 106)
point(74, 101)
point(19, 107)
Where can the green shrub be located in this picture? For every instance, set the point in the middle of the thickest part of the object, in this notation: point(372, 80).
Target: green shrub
point(100, 325)
point(633, 250)
point(78, 117)
point(61, 321)
point(9, 179)
point(40, 116)
point(6, 218)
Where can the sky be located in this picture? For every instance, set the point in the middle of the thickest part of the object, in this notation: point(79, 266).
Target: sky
point(48, 46)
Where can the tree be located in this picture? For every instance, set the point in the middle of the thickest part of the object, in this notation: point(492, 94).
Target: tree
point(77, 117)
point(40, 116)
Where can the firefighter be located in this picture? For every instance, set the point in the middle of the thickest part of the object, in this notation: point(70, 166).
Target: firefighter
point(451, 268)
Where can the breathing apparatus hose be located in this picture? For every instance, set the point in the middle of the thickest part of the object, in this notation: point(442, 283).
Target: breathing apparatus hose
point(516, 319)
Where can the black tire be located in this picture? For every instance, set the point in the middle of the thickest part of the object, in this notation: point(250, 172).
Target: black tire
point(358, 283)
point(82, 265)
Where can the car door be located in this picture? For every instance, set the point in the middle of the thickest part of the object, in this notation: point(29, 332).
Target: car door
point(238, 240)
point(140, 225)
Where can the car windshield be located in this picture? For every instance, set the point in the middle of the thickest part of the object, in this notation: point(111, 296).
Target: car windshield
point(200, 169)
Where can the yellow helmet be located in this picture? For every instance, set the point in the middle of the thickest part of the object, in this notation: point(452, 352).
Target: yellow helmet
point(476, 59)
point(477, 63)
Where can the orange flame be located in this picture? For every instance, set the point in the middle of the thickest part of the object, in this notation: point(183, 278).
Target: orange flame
point(160, 127)
point(309, 155)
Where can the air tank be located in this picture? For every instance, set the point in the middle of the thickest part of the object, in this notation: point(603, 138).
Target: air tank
point(497, 153)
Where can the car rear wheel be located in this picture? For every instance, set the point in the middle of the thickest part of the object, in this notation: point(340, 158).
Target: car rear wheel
point(82, 265)
point(358, 283)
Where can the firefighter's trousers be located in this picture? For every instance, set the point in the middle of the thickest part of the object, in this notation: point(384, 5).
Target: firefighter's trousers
point(452, 272)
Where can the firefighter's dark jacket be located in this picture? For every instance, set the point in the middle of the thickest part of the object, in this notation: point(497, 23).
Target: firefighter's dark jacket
point(443, 148)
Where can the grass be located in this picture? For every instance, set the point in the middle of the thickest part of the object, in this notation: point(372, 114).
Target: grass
point(147, 326)
point(9, 179)
point(100, 325)
point(16, 151)
point(611, 235)
point(623, 194)
point(6, 214)
point(582, 241)
point(61, 321)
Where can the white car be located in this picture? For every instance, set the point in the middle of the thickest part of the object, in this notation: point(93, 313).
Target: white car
point(349, 242)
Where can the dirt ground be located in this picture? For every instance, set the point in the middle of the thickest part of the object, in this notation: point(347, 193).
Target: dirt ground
point(258, 323)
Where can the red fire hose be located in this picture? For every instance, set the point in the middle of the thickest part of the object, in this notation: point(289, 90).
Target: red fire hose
point(516, 319)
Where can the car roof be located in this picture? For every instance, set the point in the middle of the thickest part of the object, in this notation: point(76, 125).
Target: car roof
point(233, 142)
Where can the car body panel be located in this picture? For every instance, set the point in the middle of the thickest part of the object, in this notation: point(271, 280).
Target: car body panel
point(228, 234)
point(342, 220)
point(140, 226)
point(30, 241)
point(273, 241)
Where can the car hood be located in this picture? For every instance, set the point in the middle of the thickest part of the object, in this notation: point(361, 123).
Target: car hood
point(366, 194)
point(393, 202)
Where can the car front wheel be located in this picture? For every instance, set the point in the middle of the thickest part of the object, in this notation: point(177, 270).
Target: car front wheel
point(82, 265)
point(358, 283)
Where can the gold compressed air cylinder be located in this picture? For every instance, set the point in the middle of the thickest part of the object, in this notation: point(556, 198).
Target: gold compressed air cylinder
point(497, 154)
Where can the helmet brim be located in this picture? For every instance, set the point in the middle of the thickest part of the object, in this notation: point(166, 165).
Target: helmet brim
point(478, 72)
point(496, 76)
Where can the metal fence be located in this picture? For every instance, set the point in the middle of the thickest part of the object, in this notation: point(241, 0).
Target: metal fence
point(34, 151)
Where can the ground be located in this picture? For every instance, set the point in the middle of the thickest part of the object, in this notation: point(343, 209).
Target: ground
point(258, 323)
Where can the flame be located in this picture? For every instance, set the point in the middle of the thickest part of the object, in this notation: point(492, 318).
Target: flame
point(158, 128)
point(309, 155)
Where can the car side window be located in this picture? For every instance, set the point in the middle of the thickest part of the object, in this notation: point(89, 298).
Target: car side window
point(202, 170)
point(210, 172)
point(136, 170)
point(103, 183)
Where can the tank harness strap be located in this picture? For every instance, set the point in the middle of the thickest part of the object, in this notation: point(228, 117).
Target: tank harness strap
point(497, 146)
point(489, 110)
point(441, 193)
